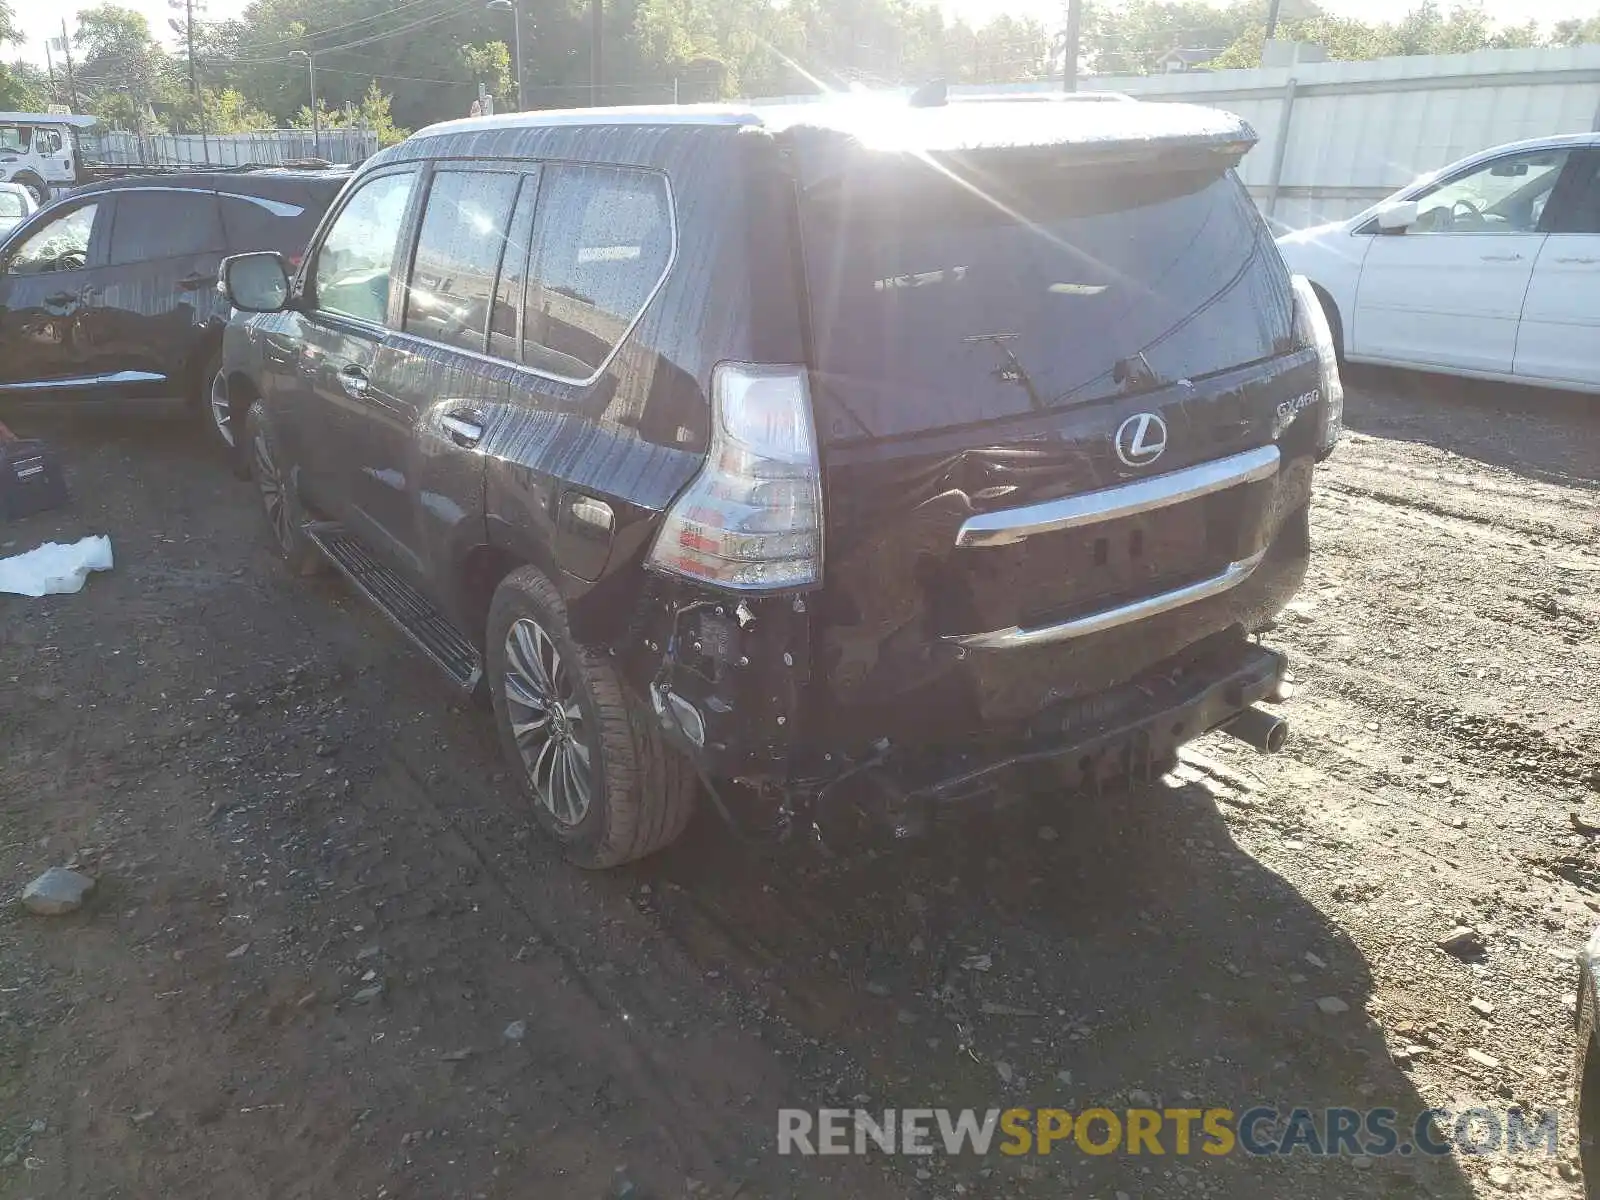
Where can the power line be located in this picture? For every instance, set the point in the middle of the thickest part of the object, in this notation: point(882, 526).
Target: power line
point(404, 78)
point(410, 27)
point(338, 28)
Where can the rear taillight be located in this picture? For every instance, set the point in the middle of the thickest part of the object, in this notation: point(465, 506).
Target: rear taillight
point(752, 518)
point(1311, 329)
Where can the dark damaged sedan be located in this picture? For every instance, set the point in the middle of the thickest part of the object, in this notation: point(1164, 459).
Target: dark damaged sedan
point(853, 454)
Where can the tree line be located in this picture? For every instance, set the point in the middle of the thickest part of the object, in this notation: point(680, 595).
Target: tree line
point(400, 65)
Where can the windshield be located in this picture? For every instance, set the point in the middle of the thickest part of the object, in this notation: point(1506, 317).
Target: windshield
point(935, 307)
point(15, 139)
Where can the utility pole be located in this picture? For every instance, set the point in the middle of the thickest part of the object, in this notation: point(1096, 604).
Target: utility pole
point(597, 38)
point(1069, 54)
point(188, 30)
point(66, 46)
point(316, 119)
point(1272, 18)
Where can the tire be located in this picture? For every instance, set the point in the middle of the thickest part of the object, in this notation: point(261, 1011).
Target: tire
point(216, 411)
point(38, 187)
point(635, 795)
point(279, 502)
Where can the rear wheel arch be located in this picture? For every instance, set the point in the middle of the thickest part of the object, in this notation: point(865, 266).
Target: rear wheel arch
point(1330, 309)
point(598, 615)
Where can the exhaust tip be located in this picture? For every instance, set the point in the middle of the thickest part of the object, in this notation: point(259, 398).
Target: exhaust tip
point(1277, 735)
point(1258, 728)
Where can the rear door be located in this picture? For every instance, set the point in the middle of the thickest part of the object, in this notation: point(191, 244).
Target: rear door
point(1558, 341)
point(1448, 292)
point(418, 477)
point(156, 318)
point(50, 272)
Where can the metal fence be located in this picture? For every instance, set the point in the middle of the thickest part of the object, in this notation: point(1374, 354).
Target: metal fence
point(120, 148)
point(1338, 136)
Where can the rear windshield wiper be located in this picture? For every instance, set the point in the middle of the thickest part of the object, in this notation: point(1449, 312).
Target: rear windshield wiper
point(1014, 372)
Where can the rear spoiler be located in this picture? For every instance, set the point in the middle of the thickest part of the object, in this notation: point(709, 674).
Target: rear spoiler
point(1019, 137)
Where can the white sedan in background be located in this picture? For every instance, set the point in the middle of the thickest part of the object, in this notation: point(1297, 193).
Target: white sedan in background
point(16, 206)
point(1489, 268)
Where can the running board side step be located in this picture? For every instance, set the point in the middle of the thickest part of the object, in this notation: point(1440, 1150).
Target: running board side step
point(450, 649)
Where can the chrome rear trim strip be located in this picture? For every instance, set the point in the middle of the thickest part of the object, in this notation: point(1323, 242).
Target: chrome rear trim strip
point(1012, 525)
point(1016, 637)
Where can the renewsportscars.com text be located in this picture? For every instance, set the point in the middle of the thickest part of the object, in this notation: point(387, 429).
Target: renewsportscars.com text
point(1260, 1130)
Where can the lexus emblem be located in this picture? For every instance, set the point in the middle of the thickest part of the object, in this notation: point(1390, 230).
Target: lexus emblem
point(1141, 439)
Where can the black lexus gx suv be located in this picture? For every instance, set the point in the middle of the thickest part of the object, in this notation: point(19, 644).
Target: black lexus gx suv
point(860, 456)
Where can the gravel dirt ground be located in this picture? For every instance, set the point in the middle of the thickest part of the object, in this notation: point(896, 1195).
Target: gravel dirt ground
point(327, 956)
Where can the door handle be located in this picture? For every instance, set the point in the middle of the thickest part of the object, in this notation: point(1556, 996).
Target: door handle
point(354, 381)
point(1501, 257)
point(465, 428)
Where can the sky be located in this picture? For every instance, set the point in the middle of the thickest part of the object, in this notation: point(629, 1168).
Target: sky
point(39, 20)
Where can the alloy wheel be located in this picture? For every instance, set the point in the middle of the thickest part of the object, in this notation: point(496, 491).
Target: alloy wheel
point(221, 412)
point(272, 494)
point(547, 722)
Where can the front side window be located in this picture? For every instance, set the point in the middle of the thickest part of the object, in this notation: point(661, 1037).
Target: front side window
point(355, 263)
point(151, 226)
point(602, 243)
point(59, 245)
point(1507, 195)
point(14, 139)
point(464, 232)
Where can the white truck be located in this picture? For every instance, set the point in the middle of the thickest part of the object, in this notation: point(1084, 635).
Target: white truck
point(40, 151)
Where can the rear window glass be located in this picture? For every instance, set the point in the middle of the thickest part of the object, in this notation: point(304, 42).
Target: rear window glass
point(935, 305)
point(458, 252)
point(153, 225)
point(603, 241)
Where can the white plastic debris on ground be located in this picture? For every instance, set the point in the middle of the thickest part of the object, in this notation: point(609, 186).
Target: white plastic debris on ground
point(53, 568)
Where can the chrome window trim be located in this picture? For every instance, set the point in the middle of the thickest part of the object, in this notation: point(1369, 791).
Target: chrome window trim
point(1011, 525)
point(627, 333)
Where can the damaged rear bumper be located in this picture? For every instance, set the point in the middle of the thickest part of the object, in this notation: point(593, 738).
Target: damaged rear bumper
point(1126, 735)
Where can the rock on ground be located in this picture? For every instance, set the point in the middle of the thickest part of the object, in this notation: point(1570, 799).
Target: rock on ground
point(57, 892)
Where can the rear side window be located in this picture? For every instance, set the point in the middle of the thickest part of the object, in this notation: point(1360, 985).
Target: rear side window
point(354, 264)
point(1580, 210)
point(149, 226)
point(463, 235)
point(258, 223)
point(603, 241)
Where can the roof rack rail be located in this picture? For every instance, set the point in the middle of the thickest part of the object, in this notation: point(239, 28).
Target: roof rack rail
point(1048, 98)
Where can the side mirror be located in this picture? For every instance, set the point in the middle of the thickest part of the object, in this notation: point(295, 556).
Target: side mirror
point(1397, 217)
point(257, 282)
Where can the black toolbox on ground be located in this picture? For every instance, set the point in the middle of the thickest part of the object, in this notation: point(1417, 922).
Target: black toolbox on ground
point(31, 479)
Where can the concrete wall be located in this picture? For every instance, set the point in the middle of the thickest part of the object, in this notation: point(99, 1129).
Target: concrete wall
point(1337, 136)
